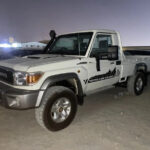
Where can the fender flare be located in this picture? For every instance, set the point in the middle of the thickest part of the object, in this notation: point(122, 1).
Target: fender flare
point(56, 78)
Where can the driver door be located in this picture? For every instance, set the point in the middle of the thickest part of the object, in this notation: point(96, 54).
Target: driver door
point(102, 71)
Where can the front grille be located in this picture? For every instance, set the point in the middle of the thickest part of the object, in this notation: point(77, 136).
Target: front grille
point(6, 75)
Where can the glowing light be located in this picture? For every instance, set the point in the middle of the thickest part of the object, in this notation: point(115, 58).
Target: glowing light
point(15, 45)
point(5, 45)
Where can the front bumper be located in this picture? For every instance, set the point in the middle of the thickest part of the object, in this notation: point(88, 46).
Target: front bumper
point(17, 98)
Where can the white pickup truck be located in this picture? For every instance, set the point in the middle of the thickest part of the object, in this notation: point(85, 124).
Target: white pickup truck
point(75, 65)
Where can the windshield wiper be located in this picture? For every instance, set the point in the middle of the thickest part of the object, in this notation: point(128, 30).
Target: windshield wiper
point(57, 52)
point(60, 51)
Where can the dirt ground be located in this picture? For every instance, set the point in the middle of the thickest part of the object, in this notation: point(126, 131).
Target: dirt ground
point(111, 120)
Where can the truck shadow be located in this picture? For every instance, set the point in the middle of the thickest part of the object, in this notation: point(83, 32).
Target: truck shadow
point(114, 101)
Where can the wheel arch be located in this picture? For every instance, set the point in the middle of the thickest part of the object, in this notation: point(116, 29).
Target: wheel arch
point(141, 67)
point(70, 80)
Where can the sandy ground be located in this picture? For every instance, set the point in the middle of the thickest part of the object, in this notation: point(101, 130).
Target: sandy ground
point(111, 120)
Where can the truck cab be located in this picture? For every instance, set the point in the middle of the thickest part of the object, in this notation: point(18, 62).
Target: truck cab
point(104, 60)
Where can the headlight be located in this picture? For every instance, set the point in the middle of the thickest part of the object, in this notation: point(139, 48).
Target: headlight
point(23, 78)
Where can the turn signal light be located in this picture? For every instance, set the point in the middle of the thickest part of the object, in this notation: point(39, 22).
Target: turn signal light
point(31, 79)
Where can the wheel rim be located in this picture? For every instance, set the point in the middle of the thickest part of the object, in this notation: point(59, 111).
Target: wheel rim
point(60, 110)
point(139, 84)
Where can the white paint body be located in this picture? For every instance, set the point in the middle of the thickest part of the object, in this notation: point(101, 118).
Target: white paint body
point(56, 64)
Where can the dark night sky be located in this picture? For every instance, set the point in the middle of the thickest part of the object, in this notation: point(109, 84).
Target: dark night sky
point(31, 20)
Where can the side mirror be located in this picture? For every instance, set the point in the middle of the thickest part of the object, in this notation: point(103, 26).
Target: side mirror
point(52, 34)
point(113, 52)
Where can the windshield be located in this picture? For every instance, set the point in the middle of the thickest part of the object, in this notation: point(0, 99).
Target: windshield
point(71, 44)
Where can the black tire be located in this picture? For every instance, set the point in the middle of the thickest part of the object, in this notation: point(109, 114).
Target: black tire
point(43, 113)
point(132, 84)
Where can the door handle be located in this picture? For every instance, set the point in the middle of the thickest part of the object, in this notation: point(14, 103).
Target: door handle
point(112, 63)
point(118, 62)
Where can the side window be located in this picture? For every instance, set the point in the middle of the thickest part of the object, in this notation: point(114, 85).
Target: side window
point(101, 44)
point(84, 40)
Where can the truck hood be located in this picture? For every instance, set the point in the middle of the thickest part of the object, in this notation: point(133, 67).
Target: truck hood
point(24, 63)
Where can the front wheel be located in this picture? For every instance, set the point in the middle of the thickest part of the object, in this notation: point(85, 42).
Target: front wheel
point(136, 84)
point(58, 108)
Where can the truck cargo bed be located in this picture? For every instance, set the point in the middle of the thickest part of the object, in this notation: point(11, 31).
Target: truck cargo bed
point(137, 50)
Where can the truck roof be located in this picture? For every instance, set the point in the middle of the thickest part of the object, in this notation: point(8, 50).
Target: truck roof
point(97, 30)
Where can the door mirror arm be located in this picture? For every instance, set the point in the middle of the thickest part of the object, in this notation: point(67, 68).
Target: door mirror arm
point(97, 62)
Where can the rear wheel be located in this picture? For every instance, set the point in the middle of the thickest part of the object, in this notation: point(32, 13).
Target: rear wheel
point(58, 108)
point(136, 84)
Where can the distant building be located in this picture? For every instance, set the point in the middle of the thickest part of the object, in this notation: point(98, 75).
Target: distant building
point(44, 41)
point(33, 45)
point(136, 48)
